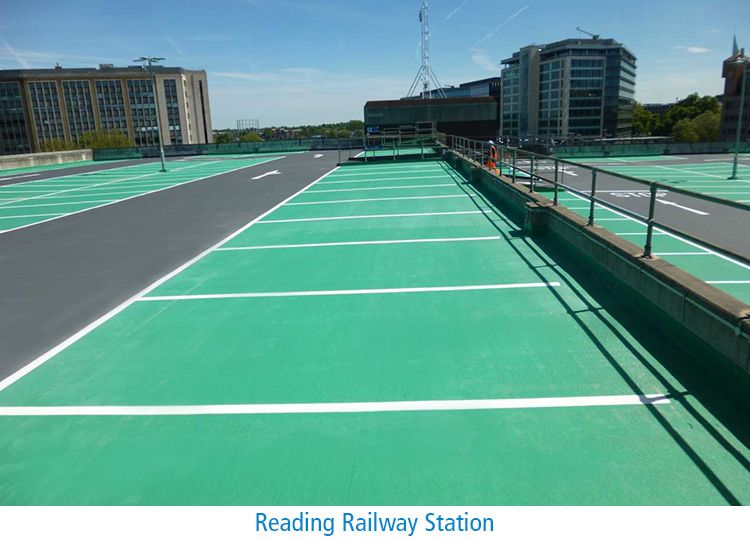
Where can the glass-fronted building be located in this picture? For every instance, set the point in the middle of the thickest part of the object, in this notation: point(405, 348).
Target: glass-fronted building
point(568, 89)
point(38, 106)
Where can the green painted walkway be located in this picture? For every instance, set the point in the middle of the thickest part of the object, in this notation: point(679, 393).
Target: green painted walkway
point(32, 202)
point(342, 295)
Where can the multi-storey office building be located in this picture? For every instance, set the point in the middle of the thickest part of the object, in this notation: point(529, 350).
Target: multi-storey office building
point(570, 88)
point(41, 105)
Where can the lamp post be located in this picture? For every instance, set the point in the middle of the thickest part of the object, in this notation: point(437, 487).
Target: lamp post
point(147, 62)
point(742, 61)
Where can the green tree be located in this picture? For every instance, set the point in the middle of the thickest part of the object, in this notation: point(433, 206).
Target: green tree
point(684, 131)
point(57, 145)
point(708, 126)
point(688, 108)
point(223, 137)
point(644, 122)
point(105, 139)
point(250, 137)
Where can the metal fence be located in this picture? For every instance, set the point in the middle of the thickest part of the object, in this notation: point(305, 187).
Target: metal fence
point(538, 171)
point(650, 149)
point(176, 150)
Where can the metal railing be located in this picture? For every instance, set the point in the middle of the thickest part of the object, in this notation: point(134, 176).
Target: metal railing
point(391, 146)
point(282, 145)
point(521, 166)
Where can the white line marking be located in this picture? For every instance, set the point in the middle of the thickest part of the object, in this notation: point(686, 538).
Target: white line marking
point(380, 199)
point(3, 178)
point(73, 203)
point(612, 219)
point(682, 253)
point(349, 292)
point(29, 216)
point(374, 216)
point(409, 179)
point(317, 156)
point(637, 233)
point(738, 282)
point(380, 188)
point(336, 408)
point(28, 368)
point(689, 172)
point(391, 172)
point(272, 173)
point(364, 243)
point(681, 207)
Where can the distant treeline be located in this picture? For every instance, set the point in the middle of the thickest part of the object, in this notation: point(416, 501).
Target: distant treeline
point(341, 130)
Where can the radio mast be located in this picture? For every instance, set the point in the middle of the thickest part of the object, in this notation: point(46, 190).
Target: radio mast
point(425, 75)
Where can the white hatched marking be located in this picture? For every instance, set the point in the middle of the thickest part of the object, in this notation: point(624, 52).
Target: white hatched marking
point(347, 292)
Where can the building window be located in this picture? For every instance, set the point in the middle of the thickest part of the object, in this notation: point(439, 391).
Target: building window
point(111, 105)
point(14, 137)
point(173, 111)
point(79, 107)
point(143, 112)
point(45, 107)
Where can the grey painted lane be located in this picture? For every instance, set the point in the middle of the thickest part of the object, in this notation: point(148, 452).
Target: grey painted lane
point(57, 277)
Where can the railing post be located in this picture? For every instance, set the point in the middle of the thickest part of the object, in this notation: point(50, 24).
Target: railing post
point(394, 149)
point(593, 197)
point(531, 174)
point(421, 148)
point(557, 166)
point(650, 222)
point(515, 154)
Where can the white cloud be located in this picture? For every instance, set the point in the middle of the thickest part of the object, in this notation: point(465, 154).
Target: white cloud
point(455, 10)
point(39, 59)
point(483, 60)
point(692, 49)
point(505, 22)
point(175, 46)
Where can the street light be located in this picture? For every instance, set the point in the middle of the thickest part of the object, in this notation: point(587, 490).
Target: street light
point(743, 61)
point(147, 62)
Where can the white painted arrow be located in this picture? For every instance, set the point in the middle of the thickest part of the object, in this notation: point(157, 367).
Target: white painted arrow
point(266, 174)
point(316, 156)
point(686, 208)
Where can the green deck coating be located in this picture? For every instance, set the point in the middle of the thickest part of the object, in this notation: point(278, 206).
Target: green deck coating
point(26, 203)
point(520, 343)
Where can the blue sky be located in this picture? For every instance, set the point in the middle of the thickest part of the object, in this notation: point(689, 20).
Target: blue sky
point(314, 61)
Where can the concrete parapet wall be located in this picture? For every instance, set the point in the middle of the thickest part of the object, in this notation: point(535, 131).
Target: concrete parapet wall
point(715, 318)
point(44, 158)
